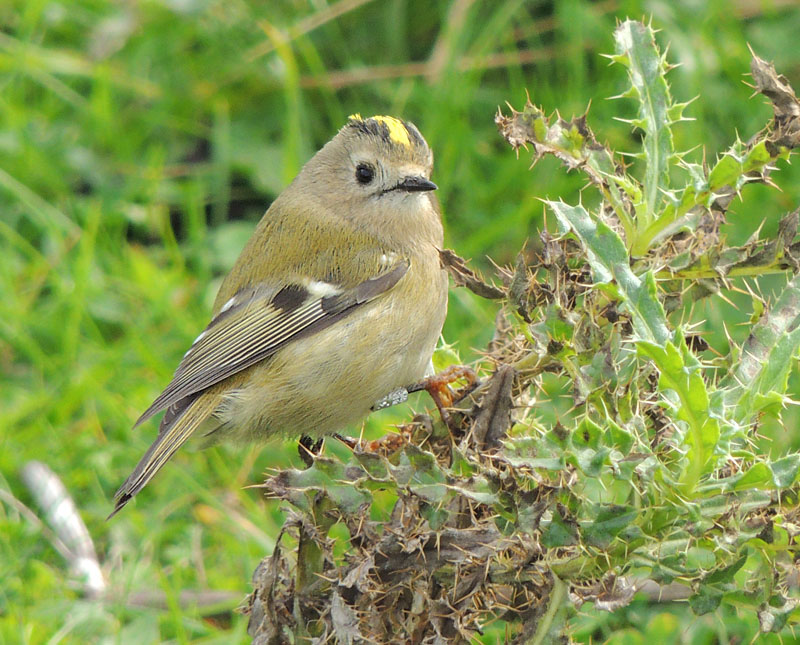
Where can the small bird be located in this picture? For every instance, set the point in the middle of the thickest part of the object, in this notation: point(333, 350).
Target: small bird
point(336, 302)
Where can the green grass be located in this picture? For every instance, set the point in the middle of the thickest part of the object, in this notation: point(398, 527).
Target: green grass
point(140, 143)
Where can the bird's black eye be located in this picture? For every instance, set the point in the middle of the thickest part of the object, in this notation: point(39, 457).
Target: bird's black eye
point(364, 173)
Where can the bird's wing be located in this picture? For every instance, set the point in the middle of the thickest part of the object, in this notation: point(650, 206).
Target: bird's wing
point(258, 321)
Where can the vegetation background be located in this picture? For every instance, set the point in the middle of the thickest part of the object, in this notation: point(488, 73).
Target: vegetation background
point(140, 142)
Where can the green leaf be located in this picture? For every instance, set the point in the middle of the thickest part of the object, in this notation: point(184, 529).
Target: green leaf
point(765, 476)
point(619, 437)
point(587, 434)
point(698, 558)
point(732, 167)
point(610, 262)
point(757, 476)
point(543, 463)
point(478, 489)
point(706, 600)
point(558, 325)
point(590, 461)
point(445, 356)
point(373, 464)
point(435, 515)
point(559, 532)
point(419, 471)
point(692, 407)
point(608, 523)
point(331, 477)
point(461, 466)
point(767, 356)
point(725, 575)
point(784, 471)
point(725, 172)
point(647, 71)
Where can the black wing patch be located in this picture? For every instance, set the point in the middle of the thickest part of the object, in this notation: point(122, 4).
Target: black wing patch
point(258, 322)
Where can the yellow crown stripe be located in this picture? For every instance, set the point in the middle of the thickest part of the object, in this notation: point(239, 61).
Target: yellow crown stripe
point(397, 129)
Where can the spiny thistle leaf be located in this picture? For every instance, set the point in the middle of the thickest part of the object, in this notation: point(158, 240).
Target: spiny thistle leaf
point(325, 475)
point(637, 51)
point(692, 407)
point(610, 264)
point(608, 522)
point(767, 356)
point(778, 475)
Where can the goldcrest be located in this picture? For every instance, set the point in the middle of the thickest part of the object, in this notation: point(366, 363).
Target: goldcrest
point(336, 302)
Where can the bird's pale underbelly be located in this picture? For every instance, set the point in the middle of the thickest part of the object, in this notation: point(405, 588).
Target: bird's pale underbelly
point(295, 382)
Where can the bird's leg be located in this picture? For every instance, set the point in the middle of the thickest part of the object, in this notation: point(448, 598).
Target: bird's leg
point(438, 386)
point(395, 397)
point(308, 449)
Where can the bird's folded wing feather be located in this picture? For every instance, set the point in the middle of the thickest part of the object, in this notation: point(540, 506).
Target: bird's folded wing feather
point(257, 322)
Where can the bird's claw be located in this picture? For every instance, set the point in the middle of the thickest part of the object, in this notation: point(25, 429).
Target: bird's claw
point(438, 386)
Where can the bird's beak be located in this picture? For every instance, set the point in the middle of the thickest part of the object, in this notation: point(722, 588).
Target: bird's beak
point(416, 184)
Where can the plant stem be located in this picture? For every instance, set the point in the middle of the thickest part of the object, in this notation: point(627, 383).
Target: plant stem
point(750, 271)
point(543, 629)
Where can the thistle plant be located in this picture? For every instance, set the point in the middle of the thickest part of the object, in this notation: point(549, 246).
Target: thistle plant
point(501, 516)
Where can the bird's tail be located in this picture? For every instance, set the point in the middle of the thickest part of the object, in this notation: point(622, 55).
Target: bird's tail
point(175, 430)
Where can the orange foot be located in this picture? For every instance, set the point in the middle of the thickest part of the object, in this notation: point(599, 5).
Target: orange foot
point(438, 386)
